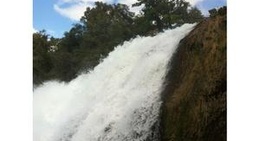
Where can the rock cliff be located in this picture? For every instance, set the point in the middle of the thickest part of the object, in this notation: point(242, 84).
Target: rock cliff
point(194, 98)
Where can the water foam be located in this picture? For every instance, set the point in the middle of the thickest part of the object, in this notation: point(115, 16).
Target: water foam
point(119, 100)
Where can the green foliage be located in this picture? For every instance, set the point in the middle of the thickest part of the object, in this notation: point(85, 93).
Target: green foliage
point(101, 29)
point(41, 59)
point(194, 15)
point(221, 11)
point(107, 25)
point(213, 12)
point(72, 39)
point(64, 68)
point(161, 14)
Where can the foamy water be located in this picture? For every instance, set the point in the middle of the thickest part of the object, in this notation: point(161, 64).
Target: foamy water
point(118, 101)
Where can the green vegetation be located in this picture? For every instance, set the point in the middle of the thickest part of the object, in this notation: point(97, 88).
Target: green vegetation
point(194, 99)
point(99, 31)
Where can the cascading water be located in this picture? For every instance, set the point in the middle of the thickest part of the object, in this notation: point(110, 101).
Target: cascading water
point(118, 101)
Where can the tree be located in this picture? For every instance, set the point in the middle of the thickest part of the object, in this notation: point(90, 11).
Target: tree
point(153, 11)
point(42, 63)
point(105, 26)
point(72, 39)
point(194, 15)
point(163, 13)
point(110, 24)
point(101, 29)
point(65, 67)
point(213, 12)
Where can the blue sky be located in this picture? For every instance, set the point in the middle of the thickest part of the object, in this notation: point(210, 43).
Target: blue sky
point(58, 16)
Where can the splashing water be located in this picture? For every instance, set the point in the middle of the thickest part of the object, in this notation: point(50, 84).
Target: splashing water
point(118, 101)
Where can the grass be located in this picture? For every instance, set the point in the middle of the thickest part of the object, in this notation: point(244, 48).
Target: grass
point(194, 107)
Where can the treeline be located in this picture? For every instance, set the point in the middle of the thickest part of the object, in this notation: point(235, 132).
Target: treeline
point(100, 29)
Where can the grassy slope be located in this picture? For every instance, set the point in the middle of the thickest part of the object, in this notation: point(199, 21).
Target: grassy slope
point(194, 107)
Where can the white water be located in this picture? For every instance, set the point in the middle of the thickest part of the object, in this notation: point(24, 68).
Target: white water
point(118, 101)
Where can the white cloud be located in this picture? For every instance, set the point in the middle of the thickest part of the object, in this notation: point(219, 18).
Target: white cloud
point(194, 2)
point(73, 12)
point(74, 9)
point(127, 2)
point(204, 11)
point(34, 30)
point(136, 10)
point(130, 2)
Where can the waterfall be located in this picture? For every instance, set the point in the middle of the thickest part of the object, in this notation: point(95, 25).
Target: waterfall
point(119, 100)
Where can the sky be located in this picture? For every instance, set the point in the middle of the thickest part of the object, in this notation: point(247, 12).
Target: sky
point(16, 73)
point(58, 16)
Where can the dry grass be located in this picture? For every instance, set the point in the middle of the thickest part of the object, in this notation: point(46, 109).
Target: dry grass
point(194, 107)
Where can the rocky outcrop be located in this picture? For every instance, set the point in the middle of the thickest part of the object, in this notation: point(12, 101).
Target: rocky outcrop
point(194, 98)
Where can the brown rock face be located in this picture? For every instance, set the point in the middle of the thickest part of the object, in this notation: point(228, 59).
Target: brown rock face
point(194, 99)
